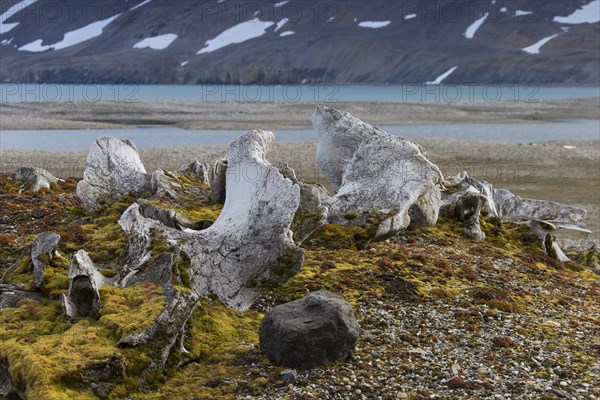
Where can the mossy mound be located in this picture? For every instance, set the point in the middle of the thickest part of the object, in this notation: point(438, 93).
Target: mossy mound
point(508, 276)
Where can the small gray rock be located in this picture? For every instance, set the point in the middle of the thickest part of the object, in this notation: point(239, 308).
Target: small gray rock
point(309, 332)
point(10, 295)
point(289, 375)
point(7, 389)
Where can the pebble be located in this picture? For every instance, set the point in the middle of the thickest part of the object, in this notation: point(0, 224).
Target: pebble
point(289, 375)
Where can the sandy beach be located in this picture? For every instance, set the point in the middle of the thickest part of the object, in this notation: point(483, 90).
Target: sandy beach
point(560, 171)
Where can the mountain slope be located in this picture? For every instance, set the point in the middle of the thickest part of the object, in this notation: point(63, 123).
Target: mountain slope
point(356, 41)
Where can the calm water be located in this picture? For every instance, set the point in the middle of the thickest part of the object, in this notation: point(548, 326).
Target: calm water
point(313, 93)
point(147, 137)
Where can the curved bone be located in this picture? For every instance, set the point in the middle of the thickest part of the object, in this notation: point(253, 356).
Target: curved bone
point(250, 245)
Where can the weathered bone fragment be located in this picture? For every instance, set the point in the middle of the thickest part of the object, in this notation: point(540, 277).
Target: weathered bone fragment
point(114, 168)
point(468, 210)
point(217, 175)
point(85, 279)
point(311, 214)
point(546, 230)
point(515, 208)
point(42, 245)
point(426, 210)
point(34, 178)
point(340, 135)
point(250, 245)
point(386, 176)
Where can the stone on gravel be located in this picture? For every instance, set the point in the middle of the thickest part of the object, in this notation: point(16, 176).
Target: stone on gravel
point(310, 332)
point(34, 178)
point(114, 168)
point(289, 375)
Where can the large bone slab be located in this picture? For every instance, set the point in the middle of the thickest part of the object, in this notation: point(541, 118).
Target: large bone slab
point(378, 176)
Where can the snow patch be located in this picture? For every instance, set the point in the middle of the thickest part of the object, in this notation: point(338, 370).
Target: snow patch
point(183, 64)
point(504, 10)
point(535, 48)
point(281, 3)
point(374, 24)
point(443, 76)
point(470, 32)
point(409, 16)
point(569, 147)
point(71, 38)
point(237, 34)
point(12, 11)
point(143, 3)
point(287, 33)
point(281, 23)
point(159, 42)
point(519, 13)
point(588, 14)
point(6, 42)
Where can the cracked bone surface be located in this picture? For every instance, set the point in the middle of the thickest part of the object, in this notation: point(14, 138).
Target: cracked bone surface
point(250, 246)
point(378, 176)
point(114, 168)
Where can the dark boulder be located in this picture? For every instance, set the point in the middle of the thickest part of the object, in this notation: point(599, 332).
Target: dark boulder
point(309, 332)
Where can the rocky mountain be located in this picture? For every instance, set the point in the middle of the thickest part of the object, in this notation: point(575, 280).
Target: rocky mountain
point(295, 41)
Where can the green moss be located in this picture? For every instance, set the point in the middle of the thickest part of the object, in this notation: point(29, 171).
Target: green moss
point(129, 310)
point(218, 338)
point(183, 268)
point(56, 282)
point(21, 275)
point(334, 236)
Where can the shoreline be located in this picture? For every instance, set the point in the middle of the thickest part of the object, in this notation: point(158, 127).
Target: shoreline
point(281, 115)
